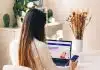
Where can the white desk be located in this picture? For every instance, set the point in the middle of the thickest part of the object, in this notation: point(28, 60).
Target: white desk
point(89, 60)
point(63, 68)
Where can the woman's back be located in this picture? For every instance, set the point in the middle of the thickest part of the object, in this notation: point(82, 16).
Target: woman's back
point(31, 51)
point(42, 50)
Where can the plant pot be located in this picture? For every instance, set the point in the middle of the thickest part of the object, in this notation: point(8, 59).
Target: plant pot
point(77, 46)
point(6, 20)
point(19, 21)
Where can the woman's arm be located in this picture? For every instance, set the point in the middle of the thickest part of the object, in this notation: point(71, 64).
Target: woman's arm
point(46, 58)
point(73, 65)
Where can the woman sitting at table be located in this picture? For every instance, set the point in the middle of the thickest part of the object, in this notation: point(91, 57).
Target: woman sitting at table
point(31, 51)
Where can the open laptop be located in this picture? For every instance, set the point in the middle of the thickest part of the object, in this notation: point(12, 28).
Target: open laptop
point(60, 51)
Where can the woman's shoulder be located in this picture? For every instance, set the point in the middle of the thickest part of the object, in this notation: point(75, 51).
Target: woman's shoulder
point(40, 44)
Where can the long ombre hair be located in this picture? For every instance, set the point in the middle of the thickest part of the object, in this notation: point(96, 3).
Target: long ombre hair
point(33, 27)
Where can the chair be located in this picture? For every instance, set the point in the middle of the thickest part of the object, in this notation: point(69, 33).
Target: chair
point(12, 67)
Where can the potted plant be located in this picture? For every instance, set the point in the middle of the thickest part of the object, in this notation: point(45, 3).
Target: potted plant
point(6, 20)
point(50, 18)
point(78, 20)
point(20, 8)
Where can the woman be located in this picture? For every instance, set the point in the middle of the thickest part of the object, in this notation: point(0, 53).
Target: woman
point(33, 51)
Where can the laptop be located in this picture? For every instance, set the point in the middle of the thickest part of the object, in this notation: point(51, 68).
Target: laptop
point(60, 51)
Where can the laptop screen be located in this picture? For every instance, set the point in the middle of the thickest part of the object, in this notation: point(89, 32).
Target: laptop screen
point(60, 49)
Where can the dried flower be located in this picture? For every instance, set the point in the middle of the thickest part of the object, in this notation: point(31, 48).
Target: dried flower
point(77, 22)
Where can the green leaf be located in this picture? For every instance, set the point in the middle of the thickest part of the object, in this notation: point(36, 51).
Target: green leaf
point(22, 2)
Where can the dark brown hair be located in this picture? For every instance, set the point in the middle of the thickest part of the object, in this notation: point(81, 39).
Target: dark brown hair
point(33, 27)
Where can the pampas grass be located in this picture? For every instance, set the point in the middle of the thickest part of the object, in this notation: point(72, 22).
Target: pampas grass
point(78, 21)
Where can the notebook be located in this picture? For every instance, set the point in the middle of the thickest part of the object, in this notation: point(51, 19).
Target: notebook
point(60, 51)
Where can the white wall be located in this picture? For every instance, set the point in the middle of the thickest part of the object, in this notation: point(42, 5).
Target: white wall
point(6, 7)
point(91, 35)
point(60, 8)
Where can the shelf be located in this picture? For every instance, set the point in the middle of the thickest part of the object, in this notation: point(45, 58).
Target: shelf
point(52, 28)
point(52, 24)
point(9, 29)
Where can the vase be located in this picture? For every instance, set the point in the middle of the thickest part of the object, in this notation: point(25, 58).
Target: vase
point(77, 46)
